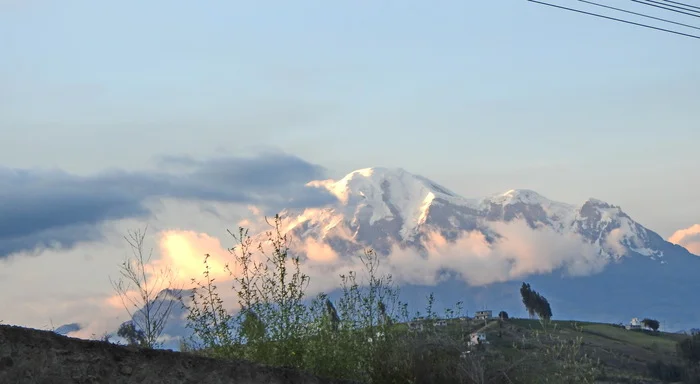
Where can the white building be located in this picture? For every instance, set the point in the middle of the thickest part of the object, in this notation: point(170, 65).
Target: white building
point(483, 315)
point(415, 326)
point(440, 323)
point(634, 324)
point(477, 338)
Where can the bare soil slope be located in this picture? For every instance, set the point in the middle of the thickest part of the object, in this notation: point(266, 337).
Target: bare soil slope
point(30, 356)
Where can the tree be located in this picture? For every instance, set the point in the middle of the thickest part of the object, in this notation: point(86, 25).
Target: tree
point(150, 307)
point(132, 335)
point(652, 324)
point(544, 310)
point(332, 314)
point(535, 303)
point(503, 315)
point(526, 294)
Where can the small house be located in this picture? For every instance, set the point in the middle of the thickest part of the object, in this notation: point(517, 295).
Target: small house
point(415, 326)
point(634, 324)
point(477, 338)
point(440, 323)
point(483, 315)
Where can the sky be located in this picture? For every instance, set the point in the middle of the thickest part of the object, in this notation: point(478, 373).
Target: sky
point(99, 101)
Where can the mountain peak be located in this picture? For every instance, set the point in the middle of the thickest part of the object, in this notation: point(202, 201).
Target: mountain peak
point(599, 203)
point(376, 173)
point(381, 206)
point(513, 196)
point(382, 184)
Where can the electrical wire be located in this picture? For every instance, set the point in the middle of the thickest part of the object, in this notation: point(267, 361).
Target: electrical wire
point(640, 14)
point(683, 4)
point(616, 19)
point(673, 6)
point(649, 3)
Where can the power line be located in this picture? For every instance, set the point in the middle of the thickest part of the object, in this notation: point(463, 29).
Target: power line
point(683, 4)
point(649, 3)
point(640, 14)
point(673, 6)
point(616, 19)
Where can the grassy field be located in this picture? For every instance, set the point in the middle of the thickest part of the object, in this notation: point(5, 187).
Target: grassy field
point(618, 355)
point(623, 354)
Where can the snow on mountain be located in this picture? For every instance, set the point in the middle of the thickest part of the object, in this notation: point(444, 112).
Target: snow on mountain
point(393, 195)
point(382, 207)
point(499, 241)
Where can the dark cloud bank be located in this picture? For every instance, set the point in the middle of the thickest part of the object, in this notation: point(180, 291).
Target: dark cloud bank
point(40, 208)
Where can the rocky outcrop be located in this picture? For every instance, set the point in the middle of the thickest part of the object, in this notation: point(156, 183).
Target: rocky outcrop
point(30, 356)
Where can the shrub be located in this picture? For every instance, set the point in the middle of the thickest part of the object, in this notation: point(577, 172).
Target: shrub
point(149, 307)
point(689, 349)
point(666, 372)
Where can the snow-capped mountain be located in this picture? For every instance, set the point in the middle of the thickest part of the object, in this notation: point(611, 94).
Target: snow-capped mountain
point(628, 270)
point(381, 207)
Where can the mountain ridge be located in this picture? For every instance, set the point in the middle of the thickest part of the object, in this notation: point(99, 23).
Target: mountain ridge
point(592, 261)
point(402, 206)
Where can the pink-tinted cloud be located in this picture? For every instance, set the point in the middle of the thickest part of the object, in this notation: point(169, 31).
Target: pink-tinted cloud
point(184, 251)
point(521, 251)
point(320, 252)
point(688, 238)
point(180, 258)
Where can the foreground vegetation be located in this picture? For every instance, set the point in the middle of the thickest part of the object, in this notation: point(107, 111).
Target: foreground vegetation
point(367, 335)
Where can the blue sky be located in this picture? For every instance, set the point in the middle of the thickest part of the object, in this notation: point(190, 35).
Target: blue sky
point(481, 97)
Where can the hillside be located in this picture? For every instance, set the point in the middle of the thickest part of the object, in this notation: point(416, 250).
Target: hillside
point(519, 348)
point(608, 353)
point(30, 356)
point(623, 354)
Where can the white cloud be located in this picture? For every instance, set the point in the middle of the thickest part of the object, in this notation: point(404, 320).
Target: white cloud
point(613, 242)
point(73, 286)
point(60, 286)
point(520, 252)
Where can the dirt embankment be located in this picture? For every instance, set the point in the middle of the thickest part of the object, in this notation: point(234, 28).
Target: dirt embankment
point(29, 356)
